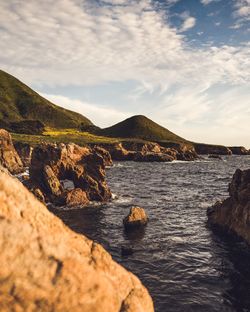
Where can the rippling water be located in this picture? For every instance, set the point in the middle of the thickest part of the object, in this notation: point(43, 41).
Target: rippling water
point(183, 264)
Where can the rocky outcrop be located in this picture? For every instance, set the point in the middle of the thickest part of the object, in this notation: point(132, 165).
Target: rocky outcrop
point(104, 154)
point(24, 151)
point(137, 217)
point(150, 152)
point(8, 155)
point(206, 149)
point(239, 150)
point(233, 214)
point(52, 164)
point(47, 267)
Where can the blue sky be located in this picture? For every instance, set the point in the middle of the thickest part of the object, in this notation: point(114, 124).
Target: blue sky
point(183, 63)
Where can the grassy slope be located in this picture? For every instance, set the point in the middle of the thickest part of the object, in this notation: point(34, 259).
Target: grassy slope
point(142, 128)
point(19, 102)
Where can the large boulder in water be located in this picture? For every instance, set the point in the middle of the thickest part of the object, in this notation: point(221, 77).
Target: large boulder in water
point(137, 217)
point(52, 164)
point(233, 214)
point(47, 267)
point(8, 155)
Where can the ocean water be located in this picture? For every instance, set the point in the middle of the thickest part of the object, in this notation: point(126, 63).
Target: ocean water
point(184, 265)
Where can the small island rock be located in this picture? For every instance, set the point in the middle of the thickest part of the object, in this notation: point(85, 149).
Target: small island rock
point(137, 217)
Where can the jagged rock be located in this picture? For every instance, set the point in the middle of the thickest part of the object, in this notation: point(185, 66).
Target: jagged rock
point(137, 217)
point(239, 150)
point(118, 152)
point(8, 155)
point(104, 154)
point(75, 197)
point(85, 168)
point(24, 151)
point(47, 267)
point(233, 214)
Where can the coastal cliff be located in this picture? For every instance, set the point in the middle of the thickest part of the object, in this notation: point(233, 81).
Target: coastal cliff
point(45, 266)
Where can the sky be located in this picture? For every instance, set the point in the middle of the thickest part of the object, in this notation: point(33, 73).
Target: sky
point(183, 63)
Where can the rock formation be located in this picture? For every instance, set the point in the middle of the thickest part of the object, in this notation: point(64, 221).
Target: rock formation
point(104, 154)
point(206, 149)
point(24, 151)
point(233, 214)
point(84, 168)
point(47, 267)
point(137, 217)
point(239, 150)
point(8, 155)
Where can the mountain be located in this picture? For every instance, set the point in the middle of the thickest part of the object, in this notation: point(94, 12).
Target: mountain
point(141, 127)
point(18, 103)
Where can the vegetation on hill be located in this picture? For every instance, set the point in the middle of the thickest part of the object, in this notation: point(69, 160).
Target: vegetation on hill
point(18, 102)
point(141, 127)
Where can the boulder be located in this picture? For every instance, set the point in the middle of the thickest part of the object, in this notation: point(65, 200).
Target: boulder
point(82, 166)
point(24, 151)
point(137, 217)
point(233, 214)
point(47, 267)
point(8, 155)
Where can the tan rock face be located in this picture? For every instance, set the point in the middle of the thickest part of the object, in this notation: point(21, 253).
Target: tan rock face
point(233, 214)
point(84, 167)
point(47, 267)
point(8, 155)
point(137, 217)
point(24, 151)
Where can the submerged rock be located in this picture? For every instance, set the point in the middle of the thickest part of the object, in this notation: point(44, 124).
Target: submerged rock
point(47, 267)
point(137, 217)
point(215, 156)
point(52, 164)
point(233, 214)
point(8, 155)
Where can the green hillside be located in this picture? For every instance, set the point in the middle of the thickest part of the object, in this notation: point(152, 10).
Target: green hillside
point(19, 102)
point(141, 127)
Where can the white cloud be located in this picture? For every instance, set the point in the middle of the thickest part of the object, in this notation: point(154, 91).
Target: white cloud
point(206, 2)
point(241, 13)
point(101, 116)
point(188, 23)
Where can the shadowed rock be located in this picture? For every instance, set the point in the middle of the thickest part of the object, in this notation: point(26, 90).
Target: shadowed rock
point(47, 267)
point(233, 214)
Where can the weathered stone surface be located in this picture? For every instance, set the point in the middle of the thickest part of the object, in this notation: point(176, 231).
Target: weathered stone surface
point(119, 153)
point(233, 214)
point(24, 151)
point(104, 154)
point(137, 217)
point(85, 168)
point(75, 197)
point(239, 150)
point(8, 155)
point(47, 267)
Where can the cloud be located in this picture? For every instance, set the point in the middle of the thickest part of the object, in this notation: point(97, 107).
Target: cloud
point(99, 115)
point(188, 23)
point(241, 13)
point(92, 43)
point(206, 2)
